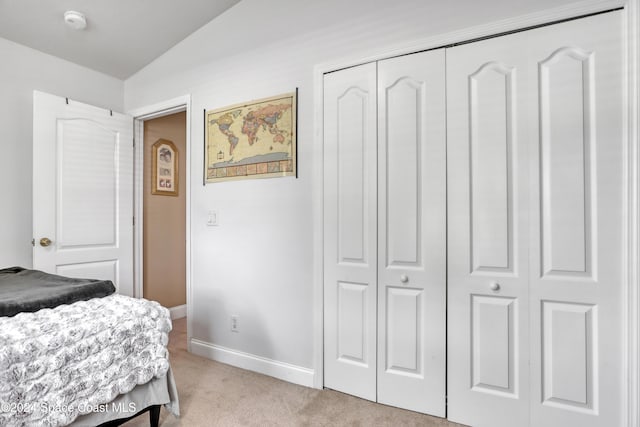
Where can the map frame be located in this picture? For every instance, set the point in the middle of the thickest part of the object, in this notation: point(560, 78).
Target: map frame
point(220, 163)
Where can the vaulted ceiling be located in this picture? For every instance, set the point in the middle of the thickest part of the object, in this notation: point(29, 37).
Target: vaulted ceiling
point(121, 37)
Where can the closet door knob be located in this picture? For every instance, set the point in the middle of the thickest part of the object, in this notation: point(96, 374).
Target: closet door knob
point(494, 286)
point(404, 278)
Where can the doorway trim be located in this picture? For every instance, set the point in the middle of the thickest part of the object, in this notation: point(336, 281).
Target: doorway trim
point(140, 115)
point(631, 263)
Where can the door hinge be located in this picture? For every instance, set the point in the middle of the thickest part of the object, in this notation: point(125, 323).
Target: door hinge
point(134, 221)
point(33, 242)
point(134, 143)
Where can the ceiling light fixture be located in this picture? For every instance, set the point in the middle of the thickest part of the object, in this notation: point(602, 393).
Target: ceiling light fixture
point(75, 20)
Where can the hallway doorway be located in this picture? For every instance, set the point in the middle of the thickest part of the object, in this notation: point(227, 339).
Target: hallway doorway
point(164, 212)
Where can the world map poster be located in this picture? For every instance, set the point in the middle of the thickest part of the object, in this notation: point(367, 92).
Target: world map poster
point(252, 140)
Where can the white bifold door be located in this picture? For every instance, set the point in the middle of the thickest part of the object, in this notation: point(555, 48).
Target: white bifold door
point(385, 231)
point(495, 206)
point(82, 191)
point(535, 192)
point(350, 231)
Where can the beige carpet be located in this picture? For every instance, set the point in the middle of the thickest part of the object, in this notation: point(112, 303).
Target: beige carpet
point(215, 394)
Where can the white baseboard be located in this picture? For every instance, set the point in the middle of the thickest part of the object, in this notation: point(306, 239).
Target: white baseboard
point(178, 312)
point(281, 370)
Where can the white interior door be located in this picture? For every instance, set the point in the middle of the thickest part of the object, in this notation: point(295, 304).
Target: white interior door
point(412, 232)
point(82, 191)
point(535, 179)
point(350, 224)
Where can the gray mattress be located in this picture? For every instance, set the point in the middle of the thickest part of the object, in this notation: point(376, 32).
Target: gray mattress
point(23, 290)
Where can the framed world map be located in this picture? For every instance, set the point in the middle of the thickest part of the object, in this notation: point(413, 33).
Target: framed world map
point(256, 139)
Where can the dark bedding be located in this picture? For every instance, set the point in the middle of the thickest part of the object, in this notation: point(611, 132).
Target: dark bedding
point(30, 290)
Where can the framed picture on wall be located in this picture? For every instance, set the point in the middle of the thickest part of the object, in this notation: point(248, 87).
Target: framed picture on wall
point(256, 139)
point(164, 179)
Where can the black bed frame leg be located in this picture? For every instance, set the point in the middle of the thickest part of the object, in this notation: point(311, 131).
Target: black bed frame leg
point(154, 416)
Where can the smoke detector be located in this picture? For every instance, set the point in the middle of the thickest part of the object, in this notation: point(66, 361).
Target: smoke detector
point(75, 20)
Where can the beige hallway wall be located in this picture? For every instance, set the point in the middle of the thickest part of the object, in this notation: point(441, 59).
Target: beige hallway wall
point(164, 267)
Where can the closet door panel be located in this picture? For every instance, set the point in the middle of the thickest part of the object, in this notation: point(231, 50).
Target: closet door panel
point(350, 215)
point(353, 216)
point(565, 232)
point(566, 85)
point(493, 345)
point(577, 226)
point(403, 104)
point(412, 232)
point(491, 118)
point(487, 177)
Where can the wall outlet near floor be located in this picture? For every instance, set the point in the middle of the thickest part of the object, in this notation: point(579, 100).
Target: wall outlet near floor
point(234, 323)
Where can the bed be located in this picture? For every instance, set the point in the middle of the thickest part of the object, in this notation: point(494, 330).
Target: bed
point(72, 352)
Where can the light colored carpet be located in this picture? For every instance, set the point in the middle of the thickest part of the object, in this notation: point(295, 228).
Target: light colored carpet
point(215, 394)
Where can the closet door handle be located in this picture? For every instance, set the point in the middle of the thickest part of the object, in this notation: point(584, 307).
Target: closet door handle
point(494, 286)
point(404, 278)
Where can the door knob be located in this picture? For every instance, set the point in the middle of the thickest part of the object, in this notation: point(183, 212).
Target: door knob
point(45, 241)
point(494, 286)
point(404, 278)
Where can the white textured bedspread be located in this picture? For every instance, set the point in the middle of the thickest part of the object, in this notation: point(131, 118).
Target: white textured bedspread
point(56, 364)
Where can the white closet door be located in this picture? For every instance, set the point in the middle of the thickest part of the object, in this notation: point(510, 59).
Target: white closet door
point(577, 224)
point(488, 336)
point(350, 230)
point(559, 307)
point(412, 232)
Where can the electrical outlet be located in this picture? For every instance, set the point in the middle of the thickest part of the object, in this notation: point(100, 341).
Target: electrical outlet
point(234, 323)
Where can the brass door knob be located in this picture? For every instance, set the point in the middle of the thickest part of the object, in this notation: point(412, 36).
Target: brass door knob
point(45, 241)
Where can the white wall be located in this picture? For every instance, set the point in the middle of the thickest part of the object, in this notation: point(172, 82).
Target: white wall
point(23, 70)
point(258, 263)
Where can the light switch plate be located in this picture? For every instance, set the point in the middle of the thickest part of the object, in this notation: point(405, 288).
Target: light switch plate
point(212, 218)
